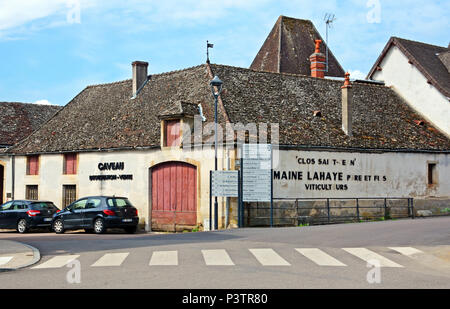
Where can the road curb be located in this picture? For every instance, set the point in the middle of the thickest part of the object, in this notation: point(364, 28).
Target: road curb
point(36, 258)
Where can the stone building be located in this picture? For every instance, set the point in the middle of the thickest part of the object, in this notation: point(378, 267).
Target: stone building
point(17, 121)
point(150, 138)
point(420, 73)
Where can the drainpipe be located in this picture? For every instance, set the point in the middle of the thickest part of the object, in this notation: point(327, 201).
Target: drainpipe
point(13, 171)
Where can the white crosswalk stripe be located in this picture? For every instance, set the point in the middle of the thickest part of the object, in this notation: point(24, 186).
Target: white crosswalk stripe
point(57, 261)
point(407, 251)
point(320, 258)
point(111, 260)
point(370, 256)
point(5, 260)
point(164, 258)
point(268, 257)
point(217, 258)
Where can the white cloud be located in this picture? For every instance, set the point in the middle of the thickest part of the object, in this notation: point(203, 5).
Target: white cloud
point(42, 102)
point(356, 74)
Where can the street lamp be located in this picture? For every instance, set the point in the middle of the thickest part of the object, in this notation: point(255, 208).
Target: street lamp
point(216, 83)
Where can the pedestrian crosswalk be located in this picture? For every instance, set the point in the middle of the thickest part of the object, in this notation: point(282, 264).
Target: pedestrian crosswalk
point(320, 258)
point(372, 257)
point(266, 257)
point(111, 260)
point(217, 258)
point(57, 261)
point(164, 258)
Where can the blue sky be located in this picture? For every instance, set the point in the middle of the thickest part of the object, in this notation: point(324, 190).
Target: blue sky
point(50, 50)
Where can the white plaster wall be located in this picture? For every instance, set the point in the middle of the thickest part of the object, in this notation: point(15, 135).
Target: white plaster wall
point(409, 82)
point(137, 163)
point(406, 175)
point(7, 188)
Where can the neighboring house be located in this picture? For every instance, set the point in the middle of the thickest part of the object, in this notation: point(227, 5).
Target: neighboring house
point(288, 47)
point(17, 121)
point(129, 143)
point(420, 73)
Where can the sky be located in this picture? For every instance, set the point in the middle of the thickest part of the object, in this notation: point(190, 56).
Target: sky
point(50, 50)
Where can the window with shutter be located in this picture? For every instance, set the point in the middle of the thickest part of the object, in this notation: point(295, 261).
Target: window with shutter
point(172, 133)
point(70, 164)
point(33, 165)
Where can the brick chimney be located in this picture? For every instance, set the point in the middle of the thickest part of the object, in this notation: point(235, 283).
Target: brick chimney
point(318, 62)
point(140, 75)
point(347, 105)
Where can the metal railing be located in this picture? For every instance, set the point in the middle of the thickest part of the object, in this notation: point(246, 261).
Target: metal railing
point(309, 211)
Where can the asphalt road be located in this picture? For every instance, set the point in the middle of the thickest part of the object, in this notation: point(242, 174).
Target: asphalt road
point(245, 258)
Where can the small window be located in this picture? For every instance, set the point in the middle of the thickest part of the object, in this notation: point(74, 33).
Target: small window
point(69, 195)
point(80, 205)
point(93, 203)
point(70, 164)
point(32, 193)
point(432, 173)
point(33, 165)
point(172, 133)
point(119, 202)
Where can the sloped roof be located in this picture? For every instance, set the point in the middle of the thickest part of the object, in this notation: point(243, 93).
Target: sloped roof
point(288, 47)
point(18, 120)
point(445, 59)
point(105, 117)
point(426, 58)
point(180, 109)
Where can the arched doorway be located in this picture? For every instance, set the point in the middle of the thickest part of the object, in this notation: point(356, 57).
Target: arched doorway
point(174, 196)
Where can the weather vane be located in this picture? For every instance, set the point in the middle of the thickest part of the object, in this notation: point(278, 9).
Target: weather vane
point(208, 46)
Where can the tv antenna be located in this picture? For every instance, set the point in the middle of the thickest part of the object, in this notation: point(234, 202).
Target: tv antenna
point(329, 20)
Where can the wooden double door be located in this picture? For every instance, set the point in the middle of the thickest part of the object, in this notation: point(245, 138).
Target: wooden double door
point(174, 195)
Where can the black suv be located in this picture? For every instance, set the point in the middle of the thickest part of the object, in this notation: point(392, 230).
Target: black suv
point(23, 215)
point(96, 214)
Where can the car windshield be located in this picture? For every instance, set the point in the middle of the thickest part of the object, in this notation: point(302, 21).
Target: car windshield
point(119, 202)
point(43, 206)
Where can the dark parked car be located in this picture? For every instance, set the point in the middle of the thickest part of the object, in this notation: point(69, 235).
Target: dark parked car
point(24, 215)
point(96, 214)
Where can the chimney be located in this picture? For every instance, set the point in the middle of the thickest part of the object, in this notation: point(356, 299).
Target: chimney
point(347, 105)
point(318, 62)
point(140, 75)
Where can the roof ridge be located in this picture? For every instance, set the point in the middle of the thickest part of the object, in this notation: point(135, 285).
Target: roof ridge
point(150, 75)
point(298, 75)
point(109, 84)
point(178, 71)
point(418, 42)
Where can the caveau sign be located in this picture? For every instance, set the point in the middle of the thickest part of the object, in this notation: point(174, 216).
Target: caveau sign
point(113, 166)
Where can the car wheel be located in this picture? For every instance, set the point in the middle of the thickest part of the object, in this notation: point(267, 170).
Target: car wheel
point(99, 226)
point(22, 226)
point(58, 226)
point(131, 230)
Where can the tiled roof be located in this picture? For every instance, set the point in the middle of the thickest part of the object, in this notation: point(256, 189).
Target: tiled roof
point(18, 120)
point(288, 47)
point(105, 116)
point(427, 58)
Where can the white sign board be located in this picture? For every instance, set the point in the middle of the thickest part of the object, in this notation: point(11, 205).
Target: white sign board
point(225, 183)
point(257, 172)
